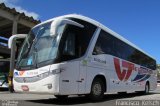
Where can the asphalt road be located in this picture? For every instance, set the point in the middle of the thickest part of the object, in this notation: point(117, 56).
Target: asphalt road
point(132, 99)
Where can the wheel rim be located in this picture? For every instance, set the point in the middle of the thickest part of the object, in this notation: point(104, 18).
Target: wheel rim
point(97, 89)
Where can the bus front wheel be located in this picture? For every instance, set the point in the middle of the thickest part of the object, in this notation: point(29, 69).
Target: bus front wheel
point(97, 89)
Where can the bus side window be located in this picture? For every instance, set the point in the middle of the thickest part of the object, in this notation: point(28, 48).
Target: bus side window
point(69, 47)
point(104, 44)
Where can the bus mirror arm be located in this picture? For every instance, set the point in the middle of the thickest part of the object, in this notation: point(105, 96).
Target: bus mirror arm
point(55, 24)
point(14, 37)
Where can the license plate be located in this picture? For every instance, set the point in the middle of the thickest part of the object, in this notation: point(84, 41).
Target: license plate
point(25, 88)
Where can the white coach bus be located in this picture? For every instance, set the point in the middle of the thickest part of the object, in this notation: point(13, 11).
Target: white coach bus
point(73, 54)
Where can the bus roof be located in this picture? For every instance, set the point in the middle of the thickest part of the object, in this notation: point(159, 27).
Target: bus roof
point(98, 25)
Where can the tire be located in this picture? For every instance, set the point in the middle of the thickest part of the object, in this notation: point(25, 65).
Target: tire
point(146, 91)
point(61, 97)
point(97, 90)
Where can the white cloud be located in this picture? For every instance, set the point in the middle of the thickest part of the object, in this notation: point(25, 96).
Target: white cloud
point(28, 13)
point(11, 4)
point(9, 1)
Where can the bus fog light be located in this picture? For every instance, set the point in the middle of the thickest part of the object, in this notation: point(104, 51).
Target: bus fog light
point(49, 86)
point(56, 71)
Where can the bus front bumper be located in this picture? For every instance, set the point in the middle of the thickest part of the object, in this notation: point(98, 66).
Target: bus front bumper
point(47, 85)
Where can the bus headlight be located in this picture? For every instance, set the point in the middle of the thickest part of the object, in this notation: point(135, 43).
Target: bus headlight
point(38, 77)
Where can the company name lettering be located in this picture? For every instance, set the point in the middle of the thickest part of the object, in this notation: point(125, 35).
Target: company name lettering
point(124, 69)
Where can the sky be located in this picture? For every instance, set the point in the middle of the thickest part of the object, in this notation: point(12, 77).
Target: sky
point(136, 20)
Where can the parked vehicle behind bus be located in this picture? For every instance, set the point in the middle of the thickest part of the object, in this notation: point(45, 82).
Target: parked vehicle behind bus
point(74, 54)
point(4, 71)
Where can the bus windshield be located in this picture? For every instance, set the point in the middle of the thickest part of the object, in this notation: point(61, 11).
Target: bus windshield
point(41, 49)
point(37, 47)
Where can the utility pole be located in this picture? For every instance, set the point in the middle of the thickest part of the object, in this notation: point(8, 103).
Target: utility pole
point(12, 60)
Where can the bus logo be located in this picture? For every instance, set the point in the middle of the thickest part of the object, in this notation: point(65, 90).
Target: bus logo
point(21, 73)
point(15, 73)
point(123, 69)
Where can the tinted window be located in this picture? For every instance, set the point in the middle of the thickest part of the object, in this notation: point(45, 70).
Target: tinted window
point(69, 47)
point(75, 40)
point(105, 44)
point(84, 34)
point(108, 44)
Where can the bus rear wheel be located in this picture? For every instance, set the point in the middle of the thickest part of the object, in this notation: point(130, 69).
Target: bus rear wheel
point(146, 91)
point(97, 90)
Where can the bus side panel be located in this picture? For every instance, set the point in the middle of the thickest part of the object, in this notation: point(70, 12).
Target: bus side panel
point(69, 77)
point(91, 74)
point(153, 80)
point(99, 65)
point(126, 76)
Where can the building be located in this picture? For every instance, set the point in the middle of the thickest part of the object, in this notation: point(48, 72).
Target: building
point(12, 22)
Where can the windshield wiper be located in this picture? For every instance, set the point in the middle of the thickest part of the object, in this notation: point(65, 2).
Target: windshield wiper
point(28, 43)
point(35, 55)
point(46, 62)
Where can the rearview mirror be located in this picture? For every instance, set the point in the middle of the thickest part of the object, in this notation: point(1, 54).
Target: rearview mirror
point(12, 46)
point(56, 23)
point(14, 37)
